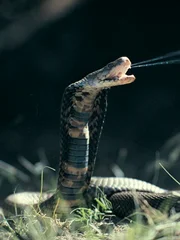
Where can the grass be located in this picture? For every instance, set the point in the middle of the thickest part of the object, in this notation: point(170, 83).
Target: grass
point(88, 224)
point(84, 223)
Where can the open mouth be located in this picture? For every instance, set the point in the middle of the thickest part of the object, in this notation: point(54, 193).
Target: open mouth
point(129, 73)
point(118, 73)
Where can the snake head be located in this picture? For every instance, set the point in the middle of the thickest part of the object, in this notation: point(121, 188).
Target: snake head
point(113, 74)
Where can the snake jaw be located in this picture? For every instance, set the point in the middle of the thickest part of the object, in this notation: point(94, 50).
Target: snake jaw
point(117, 74)
point(113, 74)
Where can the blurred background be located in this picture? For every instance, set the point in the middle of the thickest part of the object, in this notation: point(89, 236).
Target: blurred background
point(46, 45)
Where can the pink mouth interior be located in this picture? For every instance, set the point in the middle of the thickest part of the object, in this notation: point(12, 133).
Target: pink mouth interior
point(116, 72)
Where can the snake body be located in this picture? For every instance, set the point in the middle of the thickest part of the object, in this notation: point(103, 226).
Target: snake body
point(83, 111)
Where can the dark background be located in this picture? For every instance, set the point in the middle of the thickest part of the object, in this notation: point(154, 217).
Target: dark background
point(143, 119)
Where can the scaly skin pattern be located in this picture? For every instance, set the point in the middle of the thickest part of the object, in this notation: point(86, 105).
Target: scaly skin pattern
point(83, 110)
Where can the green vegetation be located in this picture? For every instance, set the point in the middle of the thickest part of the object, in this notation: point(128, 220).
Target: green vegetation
point(84, 223)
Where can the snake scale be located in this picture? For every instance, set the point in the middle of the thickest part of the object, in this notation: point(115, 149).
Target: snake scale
point(83, 110)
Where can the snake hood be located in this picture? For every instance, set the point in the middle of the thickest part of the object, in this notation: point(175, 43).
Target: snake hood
point(113, 74)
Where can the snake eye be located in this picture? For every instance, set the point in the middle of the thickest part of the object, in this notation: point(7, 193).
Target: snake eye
point(110, 65)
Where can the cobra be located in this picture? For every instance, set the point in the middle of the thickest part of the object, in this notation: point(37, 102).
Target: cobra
point(83, 110)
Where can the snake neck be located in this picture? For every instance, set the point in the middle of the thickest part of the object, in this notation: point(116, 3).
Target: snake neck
point(72, 181)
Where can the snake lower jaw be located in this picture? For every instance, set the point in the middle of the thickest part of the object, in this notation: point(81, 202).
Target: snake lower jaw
point(118, 80)
point(126, 79)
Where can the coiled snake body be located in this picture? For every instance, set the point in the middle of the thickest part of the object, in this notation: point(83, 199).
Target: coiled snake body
point(83, 111)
